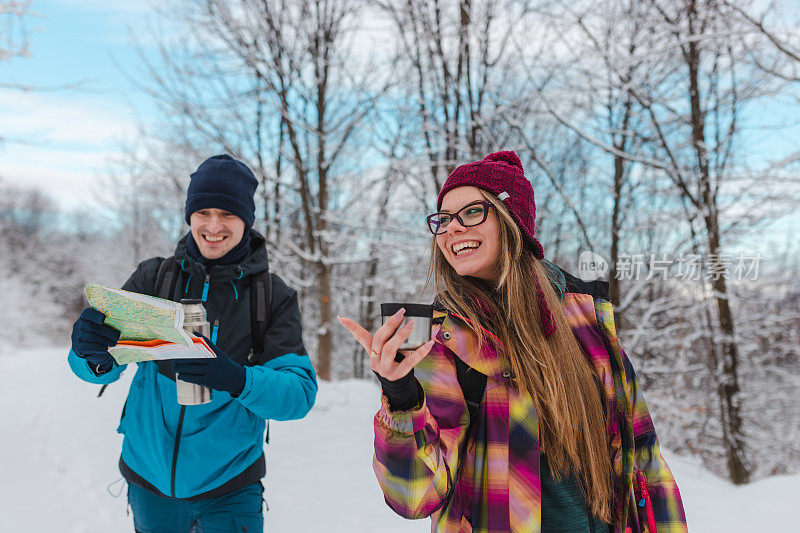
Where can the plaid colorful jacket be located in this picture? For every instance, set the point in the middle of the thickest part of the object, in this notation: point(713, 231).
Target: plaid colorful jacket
point(488, 481)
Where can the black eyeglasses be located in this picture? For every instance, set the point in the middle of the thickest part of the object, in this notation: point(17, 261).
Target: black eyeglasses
point(469, 215)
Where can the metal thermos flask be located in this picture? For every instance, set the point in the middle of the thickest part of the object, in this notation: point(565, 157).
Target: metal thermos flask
point(194, 321)
point(421, 314)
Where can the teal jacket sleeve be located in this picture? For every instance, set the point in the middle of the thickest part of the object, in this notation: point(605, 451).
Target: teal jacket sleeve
point(285, 386)
point(81, 369)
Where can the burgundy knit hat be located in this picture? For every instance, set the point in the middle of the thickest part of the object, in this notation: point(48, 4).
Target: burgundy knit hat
point(501, 174)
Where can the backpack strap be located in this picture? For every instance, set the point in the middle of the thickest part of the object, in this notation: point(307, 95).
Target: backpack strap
point(473, 385)
point(260, 304)
point(166, 280)
point(597, 288)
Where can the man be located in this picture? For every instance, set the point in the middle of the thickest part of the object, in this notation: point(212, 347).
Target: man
point(200, 466)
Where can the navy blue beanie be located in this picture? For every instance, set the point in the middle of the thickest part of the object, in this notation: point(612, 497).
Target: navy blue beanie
point(222, 182)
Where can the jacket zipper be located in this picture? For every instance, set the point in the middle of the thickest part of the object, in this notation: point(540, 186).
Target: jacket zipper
point(641, 478)
point(214, 332)
point(183, 407)
point(205, 287)
point(175, 450)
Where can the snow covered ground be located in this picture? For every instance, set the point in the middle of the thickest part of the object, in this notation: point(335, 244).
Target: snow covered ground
point(59, 450)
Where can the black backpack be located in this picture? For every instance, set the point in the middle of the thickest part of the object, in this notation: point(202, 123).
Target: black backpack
point(473, 383)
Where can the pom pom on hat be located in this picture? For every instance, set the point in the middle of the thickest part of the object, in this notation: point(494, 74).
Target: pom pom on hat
point(506, 156)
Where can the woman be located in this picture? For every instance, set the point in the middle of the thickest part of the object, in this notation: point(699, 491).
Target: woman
point(562, 440)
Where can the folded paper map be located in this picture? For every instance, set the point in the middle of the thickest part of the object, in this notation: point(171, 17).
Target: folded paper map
point(150, 328)
point(137, 351)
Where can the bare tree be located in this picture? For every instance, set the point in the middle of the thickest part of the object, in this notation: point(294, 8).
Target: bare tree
point(778, 26)
point(27, 214)
point(661, 88)
point(43, 280)
point(455, 57)
point(278, 85)
point(13, 35)
point(588, 90)
point(694, 112)
point(145, 191)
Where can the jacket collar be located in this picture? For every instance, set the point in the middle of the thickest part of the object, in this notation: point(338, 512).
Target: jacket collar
point(255, 261)
point(456, 334)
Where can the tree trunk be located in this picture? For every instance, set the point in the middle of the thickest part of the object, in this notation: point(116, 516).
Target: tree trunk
point(619, 174)
point(613, 282)
point(324, 333)
point(730, 394)
point(367, 318)
point(729, 381)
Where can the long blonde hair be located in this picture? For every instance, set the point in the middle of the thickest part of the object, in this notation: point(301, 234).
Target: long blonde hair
point(552, 370)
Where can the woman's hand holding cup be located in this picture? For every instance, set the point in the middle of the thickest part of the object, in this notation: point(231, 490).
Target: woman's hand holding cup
point(384, 345)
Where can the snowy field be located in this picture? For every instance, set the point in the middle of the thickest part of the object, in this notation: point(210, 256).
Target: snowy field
point(59, 451)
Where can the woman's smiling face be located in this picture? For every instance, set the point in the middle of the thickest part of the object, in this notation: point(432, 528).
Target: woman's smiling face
point(471, 251)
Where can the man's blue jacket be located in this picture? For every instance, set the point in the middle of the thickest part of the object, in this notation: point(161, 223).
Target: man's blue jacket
point(204, 451)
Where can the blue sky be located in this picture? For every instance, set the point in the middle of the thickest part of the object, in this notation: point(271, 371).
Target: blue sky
point(70, 135)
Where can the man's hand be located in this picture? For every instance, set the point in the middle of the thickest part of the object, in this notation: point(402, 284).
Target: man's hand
point(91, 339)
point(219, 373)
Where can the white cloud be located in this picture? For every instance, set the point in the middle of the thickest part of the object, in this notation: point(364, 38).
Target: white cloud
point(69, 140)
point(109, 7)
point(85, 120)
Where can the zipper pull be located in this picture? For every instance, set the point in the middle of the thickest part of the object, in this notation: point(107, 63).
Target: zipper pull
point(646, 502)
point(214, 331)
point(642, 479)
point(205, 287)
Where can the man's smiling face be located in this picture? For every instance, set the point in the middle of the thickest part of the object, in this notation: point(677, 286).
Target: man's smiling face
point(216, 231)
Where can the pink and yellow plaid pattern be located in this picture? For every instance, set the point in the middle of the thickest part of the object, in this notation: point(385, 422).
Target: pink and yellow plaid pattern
point(488, 481)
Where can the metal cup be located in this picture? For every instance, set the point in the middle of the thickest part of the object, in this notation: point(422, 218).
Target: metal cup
point(194, 321)
point(422, 315)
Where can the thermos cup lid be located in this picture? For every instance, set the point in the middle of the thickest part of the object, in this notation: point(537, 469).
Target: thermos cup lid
point(191, 301)
point(388, 309)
